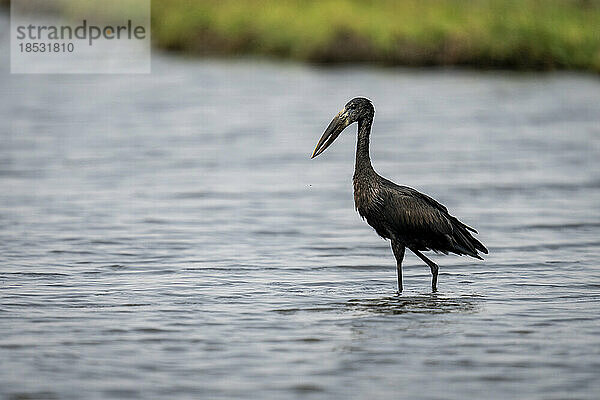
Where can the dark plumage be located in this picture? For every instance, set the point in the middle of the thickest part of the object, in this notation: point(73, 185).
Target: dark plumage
point(408, 218)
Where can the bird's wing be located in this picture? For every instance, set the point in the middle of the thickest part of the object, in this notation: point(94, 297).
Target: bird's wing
point(424, 221)
point(435, 204)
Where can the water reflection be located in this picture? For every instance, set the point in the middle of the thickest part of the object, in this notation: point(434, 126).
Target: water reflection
point(426, 304)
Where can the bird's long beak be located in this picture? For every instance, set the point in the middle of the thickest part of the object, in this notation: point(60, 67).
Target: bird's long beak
point(336, 126)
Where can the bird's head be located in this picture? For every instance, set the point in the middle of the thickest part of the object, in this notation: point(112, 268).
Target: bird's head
point(355, 110)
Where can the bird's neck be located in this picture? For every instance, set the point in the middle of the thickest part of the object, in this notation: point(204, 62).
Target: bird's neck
point(363, 160)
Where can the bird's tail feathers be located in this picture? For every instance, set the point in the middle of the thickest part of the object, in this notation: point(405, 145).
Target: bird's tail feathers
point(463, 225)
point(479, 246)
point(471, 229)
point(465, 243)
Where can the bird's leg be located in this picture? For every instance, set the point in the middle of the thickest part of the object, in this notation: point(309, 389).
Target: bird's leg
point(433, 266)
point(398, 250)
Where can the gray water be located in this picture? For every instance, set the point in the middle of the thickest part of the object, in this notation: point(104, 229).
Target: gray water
point(167, 236)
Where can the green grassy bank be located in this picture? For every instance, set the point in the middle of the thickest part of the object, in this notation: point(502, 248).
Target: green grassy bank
point(511, 34)
point(514, 34)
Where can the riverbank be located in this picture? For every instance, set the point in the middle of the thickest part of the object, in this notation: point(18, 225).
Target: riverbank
point(506, 34)
point(525, 34)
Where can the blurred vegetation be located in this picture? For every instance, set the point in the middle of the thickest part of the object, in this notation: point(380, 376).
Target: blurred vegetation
point(516, 34)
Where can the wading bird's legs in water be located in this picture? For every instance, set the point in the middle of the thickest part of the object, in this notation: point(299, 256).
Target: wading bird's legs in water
point(398, 250)
point(432, 265)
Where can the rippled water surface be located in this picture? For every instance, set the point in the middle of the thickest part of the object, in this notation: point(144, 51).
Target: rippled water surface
point(167, 236)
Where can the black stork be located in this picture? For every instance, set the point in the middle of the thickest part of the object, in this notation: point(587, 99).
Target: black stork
point(405, 216)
